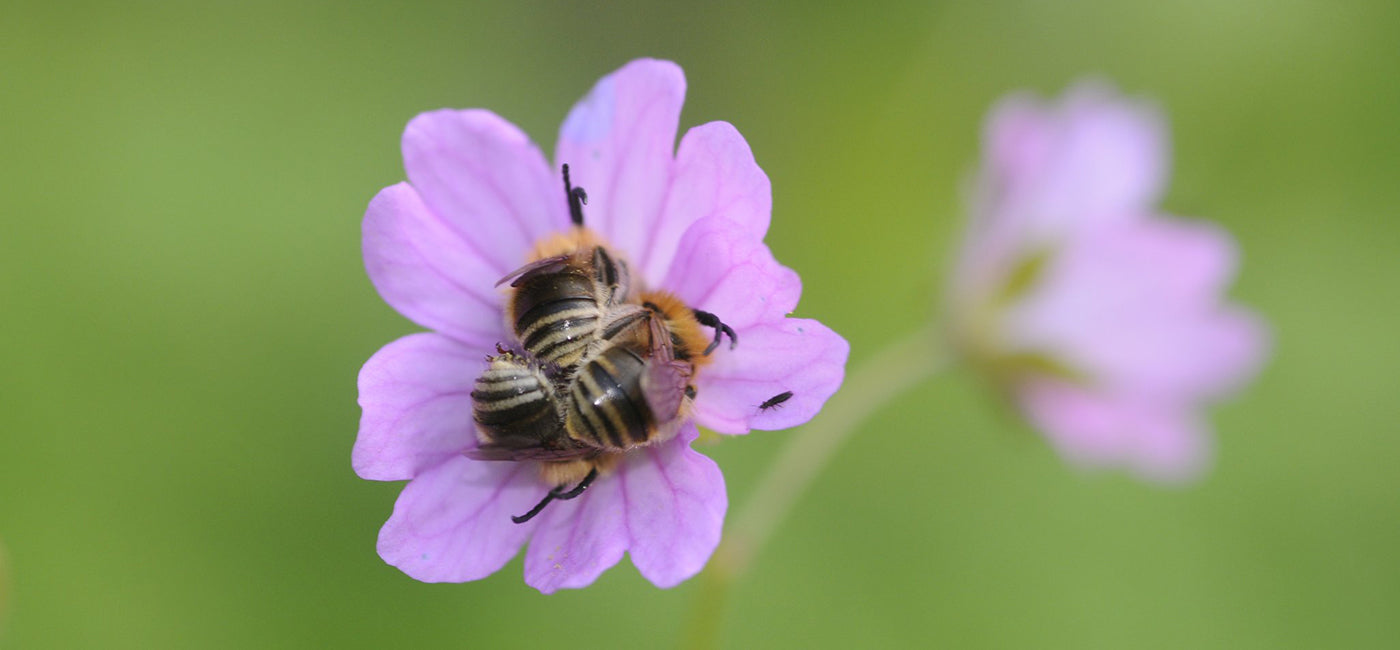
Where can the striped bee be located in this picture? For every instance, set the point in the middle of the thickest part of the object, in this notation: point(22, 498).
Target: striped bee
point(632, 389)
point(599, 370)
point(571, 294)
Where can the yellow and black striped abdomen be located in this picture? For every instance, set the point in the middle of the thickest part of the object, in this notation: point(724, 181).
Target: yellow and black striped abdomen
point(557, 316)
point(514, 404)
point(607, 408)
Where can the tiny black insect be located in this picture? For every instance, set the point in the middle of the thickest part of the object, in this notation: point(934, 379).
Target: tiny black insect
point(775, 401)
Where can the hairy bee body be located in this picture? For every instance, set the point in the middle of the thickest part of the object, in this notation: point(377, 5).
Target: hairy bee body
point(602, 366)
point(561, 304)
point(514, 403)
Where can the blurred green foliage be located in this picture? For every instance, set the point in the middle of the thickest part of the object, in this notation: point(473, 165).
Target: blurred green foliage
point(184, 311)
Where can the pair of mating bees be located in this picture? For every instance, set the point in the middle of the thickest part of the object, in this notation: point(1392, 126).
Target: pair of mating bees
point(602, 366)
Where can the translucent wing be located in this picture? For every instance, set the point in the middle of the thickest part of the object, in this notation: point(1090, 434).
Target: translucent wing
point(665, 378)
point(499, 452)
point(538, 267)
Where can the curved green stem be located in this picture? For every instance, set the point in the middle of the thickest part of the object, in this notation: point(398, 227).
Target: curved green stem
point(879, 380)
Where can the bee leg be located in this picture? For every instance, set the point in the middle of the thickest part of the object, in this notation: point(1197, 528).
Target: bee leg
point(549, 496)
point(556, 494)
point(710, 320)
point(578, 489)
point(577, 198)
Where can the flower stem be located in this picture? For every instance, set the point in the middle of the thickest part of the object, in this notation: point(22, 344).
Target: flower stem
point(867, 390)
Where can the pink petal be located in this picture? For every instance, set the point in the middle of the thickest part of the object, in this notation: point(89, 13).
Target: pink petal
point(452, 523)
point(675, 501)
point(428, 273)
point(794, 355)
point(715, 175)
point(1160, 442)
point(619, 142)
point(417, 408)
point(578, 540)
point(1138, 307)
point(723, 269)
point(486, 181)
point(1096, 157)
point(665, 505)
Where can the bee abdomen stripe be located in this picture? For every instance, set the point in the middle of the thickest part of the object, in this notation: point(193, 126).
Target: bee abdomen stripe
point(550, 345)
point(504, 382)
point(513, 412)
point(553, 310)
point(589, 421)
point(499, 400)
point(601, 386)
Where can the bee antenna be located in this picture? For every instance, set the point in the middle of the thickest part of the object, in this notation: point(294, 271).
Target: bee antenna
point(577, 198)
point(556, 494)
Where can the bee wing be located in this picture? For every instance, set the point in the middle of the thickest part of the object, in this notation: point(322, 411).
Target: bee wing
point(662, 349)
point(664, 384)
point(665, 378)
point(537, 267)
point(497, 452)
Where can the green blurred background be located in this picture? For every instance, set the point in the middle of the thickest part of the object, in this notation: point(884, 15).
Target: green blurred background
point(184, 312)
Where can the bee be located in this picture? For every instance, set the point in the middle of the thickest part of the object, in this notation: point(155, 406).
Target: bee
point(603, 366)
point(575, 292)
point(775, 401)
point(632, 389)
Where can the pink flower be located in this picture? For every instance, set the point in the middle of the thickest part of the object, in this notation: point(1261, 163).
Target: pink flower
point(1101, 316)
point(690, 221)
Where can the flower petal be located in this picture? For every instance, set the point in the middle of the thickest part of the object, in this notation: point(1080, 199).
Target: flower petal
point(416, 397)
point(578, 540)
point(665, 504)
point(715, 175)
point(486, 181)
point(722, 268)
point(1158, 441)
point(794, 355)
point(675, 500)
point(1138, 307)
point(619, 142)
point(1096, 157)
point(452, 522)
point(426, 272)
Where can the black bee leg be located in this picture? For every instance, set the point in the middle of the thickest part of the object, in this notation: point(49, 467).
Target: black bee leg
point(578, 489)
point(557, 494)
point(577, 199)
point(710, 320)
point(549, 496)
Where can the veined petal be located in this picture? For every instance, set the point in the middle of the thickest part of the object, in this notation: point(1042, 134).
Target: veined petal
point(722, 268)
point(417, 408)
point(715, 175)
point(794, 355)
point(676, 501)
point(489, 185)
point(452, 523)
point(426, 272)
point(1161, 442)
point(578, 540)
point(665, 505)
point(619, 143)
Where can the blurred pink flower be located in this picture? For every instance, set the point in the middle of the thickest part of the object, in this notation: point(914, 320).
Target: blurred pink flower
point(1101, 316)
point(690, 221)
